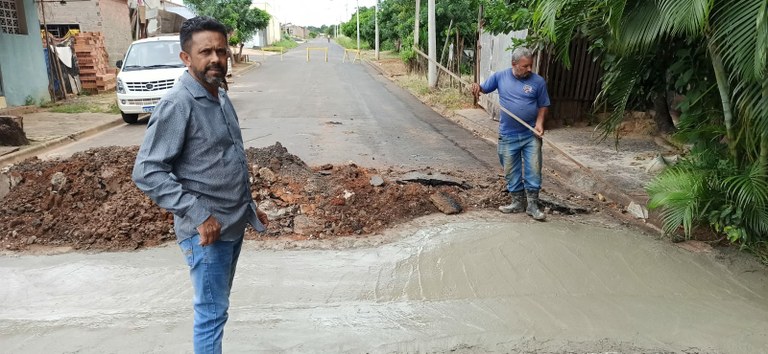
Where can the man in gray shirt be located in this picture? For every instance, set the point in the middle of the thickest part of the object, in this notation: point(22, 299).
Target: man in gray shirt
point(192, 163)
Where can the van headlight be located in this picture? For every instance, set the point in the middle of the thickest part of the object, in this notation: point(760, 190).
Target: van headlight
point(120, 86)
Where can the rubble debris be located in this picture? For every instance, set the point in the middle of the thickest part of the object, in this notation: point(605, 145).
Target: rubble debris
point(445, 203)
point(637, 210)
point(377, 181)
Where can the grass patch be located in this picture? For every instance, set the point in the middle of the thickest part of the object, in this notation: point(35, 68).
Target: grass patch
point(75, 108)
point(350, 43)
point(285, 43)
point(444, 95)
point(113, 108)
point(83, 107)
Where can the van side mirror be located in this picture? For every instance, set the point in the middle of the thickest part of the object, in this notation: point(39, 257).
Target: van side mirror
point(119, 64)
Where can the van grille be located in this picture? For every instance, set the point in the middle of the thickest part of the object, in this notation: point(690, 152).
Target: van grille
point(142, 101)
point(145, 86)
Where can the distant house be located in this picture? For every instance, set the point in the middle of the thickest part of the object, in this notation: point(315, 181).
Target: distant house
point(23, 75)
point(110, 17)
point(296, 31)
point(269, 35)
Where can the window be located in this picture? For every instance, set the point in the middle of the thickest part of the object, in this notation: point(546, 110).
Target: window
point(12, 18)
point(153, 55)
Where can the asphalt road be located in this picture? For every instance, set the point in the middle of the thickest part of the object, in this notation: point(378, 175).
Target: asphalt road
point(334, 112)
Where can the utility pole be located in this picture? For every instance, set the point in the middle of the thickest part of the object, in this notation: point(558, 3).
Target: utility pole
point(432, 34)
point(478, 47)
point(417, 20)
point(358, 26)
point(376, 20)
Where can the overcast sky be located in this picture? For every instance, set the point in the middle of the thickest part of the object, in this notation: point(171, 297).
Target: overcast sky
point(315, 12)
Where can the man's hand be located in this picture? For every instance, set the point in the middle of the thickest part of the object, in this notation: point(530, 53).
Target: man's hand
point(209, 231)
point(476, 90)
point(262, 217)
point(539, 128)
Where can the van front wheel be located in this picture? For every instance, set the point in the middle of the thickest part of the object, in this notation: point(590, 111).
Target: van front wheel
point(130, 118)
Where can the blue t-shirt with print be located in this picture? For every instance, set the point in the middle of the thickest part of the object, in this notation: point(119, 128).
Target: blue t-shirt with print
point(523, 97)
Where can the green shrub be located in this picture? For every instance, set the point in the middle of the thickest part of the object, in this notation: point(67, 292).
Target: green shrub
point(706, 189)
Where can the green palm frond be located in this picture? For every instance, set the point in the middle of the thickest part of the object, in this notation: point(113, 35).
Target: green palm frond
point(616, 10)
point(749, 187)
point(557, 21)
point(685, 17)
point(678, 193)
point(749, 191)
point(619, 83)
point(641, 28)
point(751, 103)
point(740, 33)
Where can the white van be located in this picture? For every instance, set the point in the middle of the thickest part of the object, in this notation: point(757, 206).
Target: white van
point(150, 68)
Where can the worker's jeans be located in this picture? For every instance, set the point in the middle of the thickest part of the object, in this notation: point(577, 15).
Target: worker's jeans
point(212, 269)
point(520, 157)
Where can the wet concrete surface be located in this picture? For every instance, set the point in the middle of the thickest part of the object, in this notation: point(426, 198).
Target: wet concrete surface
point(478, 282)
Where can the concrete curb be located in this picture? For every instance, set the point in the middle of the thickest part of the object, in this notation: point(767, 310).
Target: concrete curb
point(242, 72)
point(53, 143)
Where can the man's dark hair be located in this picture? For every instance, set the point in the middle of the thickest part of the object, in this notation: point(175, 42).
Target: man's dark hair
point(198, 24)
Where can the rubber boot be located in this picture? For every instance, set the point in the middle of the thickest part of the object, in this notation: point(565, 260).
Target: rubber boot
point(516, 206)
point(533, 206)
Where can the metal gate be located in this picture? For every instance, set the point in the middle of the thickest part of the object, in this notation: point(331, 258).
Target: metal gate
point(572, 91)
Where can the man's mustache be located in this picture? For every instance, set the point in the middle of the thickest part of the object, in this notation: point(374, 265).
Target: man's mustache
point(214, 66)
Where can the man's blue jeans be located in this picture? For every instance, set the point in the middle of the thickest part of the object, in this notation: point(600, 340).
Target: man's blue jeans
point(520, 157)
point(212, 269)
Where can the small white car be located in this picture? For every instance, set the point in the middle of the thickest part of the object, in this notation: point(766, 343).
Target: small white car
point(150, 68)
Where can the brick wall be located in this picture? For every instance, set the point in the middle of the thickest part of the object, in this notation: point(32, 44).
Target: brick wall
point(107, 16)
point(116, 28)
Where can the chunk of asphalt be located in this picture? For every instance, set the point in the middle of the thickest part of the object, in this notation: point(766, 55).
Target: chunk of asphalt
point(562, 206)
point(435, 179)
point(445, 203)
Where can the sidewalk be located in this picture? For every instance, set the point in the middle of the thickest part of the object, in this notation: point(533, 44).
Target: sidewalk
point(47, 130)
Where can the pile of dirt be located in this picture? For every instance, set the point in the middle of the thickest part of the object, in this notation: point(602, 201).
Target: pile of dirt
point(88, 201)
point(11, 133)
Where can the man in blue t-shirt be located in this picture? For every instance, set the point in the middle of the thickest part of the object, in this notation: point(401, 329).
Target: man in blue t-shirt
point(525, 95)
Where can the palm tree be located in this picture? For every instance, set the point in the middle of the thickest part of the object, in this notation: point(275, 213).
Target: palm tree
point(735, 33)
point(730, 193)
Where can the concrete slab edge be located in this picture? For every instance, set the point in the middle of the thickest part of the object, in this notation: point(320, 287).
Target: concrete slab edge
point(53, 143)
point(610, 192)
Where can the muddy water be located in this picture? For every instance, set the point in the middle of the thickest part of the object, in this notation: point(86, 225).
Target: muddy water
point(468, 284)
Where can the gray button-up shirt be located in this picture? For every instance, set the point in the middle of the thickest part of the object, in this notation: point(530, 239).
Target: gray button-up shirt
point(192, 162)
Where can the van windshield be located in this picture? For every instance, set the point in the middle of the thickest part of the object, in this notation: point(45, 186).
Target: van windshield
point(153, 55)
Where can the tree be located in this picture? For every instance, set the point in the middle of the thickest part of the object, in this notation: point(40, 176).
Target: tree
point(504, 16)
point(241, 20)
